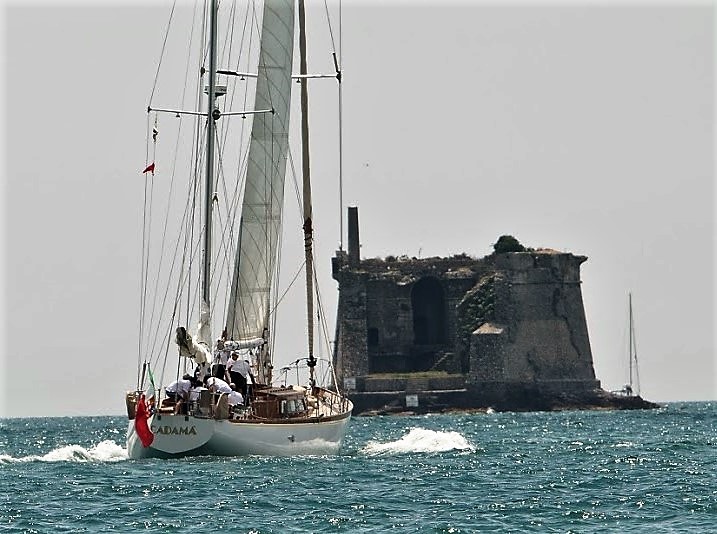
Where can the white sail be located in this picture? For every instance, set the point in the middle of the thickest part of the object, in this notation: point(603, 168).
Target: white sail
point(248, 307)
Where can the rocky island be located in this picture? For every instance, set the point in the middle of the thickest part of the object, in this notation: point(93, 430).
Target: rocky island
point(506, 332)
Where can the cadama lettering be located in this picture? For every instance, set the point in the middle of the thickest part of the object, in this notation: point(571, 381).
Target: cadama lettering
point(177, 431)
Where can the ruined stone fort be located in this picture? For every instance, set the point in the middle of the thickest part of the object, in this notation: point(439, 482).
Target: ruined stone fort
point(506, 331)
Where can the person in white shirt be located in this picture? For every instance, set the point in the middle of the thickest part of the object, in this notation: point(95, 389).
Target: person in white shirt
point(217, 385)
point(235, 398)
point(221, 355)
point(179, 389)
point(238, 371)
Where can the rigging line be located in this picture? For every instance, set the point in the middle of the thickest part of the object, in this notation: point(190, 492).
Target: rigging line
point(180, 277)
point(272, 247)
point(331, 31)
point(299, 205)
point(164, 232)
point(291, 284)
point(219, 257)
point(243, 35)
point(235, 295)
point(227, 51)
point(142, 277)
point(161, 55)
point(274, 297)
point(149, 234)
point(324, 327)
point(320, 308)
point(227, 243)
point(232, 210)
point(185, 217)
point(166, 221)
point(341, 168)
point(228, 35)
point(180, 282)
point(175, 311)
point(228, 204)
point(205, 18)
point(189, 233)
point(197, 135)
point(197, 158)
point(220, 260)
point(215, 188)
point(634, 353)
point(177, 301)
point(296, 182)
point(341, 139)
point(197, 293)
point(170, 276)
point(327, 341)
point(235, 212)
point(173, 175)
point(231, 207)
point(246, 90)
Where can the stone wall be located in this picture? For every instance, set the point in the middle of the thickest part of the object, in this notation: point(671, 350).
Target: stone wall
point(540, 334)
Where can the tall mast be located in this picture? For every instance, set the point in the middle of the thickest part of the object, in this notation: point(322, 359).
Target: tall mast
point(629, 351)
point(308, 229)
point(209, 178)
point(633, 355)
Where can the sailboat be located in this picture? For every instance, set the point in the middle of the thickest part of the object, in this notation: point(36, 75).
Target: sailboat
point(273, 417)
point(632, 388)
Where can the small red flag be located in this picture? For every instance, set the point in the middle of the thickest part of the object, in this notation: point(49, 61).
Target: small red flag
point(140, 423)
point(150, 168)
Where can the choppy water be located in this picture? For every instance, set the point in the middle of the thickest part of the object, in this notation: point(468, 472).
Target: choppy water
point(653, 471)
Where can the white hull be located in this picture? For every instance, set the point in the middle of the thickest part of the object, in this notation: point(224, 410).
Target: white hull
point(180, 435)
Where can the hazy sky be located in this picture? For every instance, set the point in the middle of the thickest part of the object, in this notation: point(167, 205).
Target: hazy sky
point(581, 126)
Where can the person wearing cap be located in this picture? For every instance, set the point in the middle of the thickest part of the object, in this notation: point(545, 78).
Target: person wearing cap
point(178, 392)
point(179, 389)
point(217, 385)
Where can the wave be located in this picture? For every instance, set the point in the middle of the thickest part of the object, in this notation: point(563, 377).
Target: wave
point(421, 440)
point(105, 451)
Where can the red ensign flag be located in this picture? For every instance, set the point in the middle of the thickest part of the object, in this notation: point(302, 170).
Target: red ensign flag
point(140, 423)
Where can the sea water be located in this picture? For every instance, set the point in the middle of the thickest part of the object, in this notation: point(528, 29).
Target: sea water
point(576, 471)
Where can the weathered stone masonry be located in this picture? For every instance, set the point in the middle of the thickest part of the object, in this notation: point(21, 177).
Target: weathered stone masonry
point(507, 330)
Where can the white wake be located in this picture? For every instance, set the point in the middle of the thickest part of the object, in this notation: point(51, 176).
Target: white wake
point(421, 440)
point(105, 451)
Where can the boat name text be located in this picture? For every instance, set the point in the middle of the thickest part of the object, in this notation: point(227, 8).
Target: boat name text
point(182, 430)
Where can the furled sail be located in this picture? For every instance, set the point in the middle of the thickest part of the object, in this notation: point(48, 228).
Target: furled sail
point(248, 307)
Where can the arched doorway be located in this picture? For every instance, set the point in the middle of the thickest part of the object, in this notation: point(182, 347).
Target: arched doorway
point(429, 312)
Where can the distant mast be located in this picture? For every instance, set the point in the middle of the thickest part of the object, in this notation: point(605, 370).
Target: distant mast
point(632, 350)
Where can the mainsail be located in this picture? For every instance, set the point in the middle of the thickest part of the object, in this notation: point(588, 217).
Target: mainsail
point(248, 307)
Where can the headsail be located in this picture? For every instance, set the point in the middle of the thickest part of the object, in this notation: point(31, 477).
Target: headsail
point(248, 307)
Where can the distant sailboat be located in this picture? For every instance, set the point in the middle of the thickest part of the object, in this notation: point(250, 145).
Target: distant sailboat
point(632, 388)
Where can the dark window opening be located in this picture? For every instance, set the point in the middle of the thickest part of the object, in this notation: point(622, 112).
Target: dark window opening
point(429, 312)
point(372, 337)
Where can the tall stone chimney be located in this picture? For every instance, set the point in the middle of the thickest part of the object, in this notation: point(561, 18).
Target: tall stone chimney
point(354, 244)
